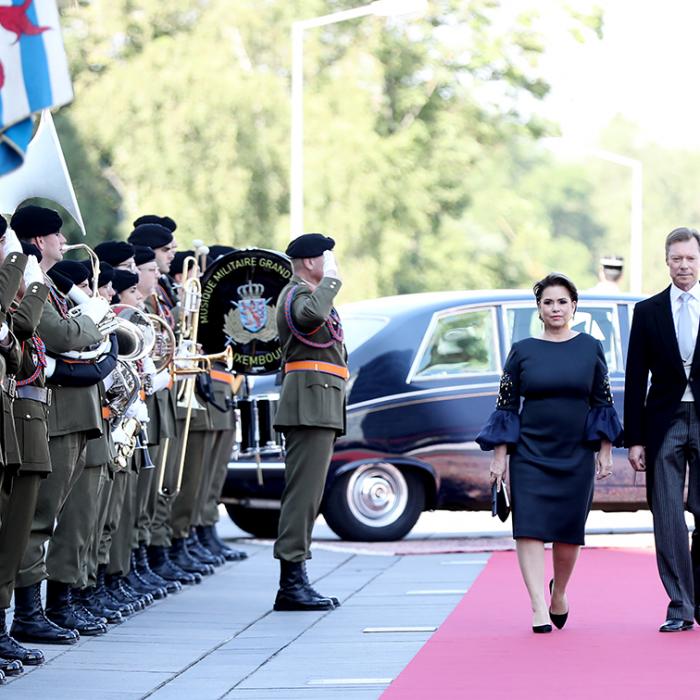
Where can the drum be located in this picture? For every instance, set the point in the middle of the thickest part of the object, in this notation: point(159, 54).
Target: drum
point(255, 430)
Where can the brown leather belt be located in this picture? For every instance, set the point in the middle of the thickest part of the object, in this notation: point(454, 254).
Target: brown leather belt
point(314, 366)
point(35, 393)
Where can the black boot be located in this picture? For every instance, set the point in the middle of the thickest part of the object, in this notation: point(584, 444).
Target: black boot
point(197, 549)
point(211, 540)
point(144, 568)
point(115, 585)
point(140, 584)
point(293, 593)
point(10, 667)
point(30, 623)
point(95, 604)
point(10, 649)
point(313, 591)
point(82, 610)
point(181, 557)
point(60, 610)
point(165, 567)
point(105, 598)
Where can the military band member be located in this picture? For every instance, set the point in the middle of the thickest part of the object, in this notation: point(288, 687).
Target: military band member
point(311, 410)
point(74, 416)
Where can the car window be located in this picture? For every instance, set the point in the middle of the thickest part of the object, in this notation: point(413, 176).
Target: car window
point(359, 329)
point(461, 343)
point(598, 321)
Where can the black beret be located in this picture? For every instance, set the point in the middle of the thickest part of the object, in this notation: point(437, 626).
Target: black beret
point(3, 225)
point(151, 235)
point(62, 282)
point(143, 254)
point(31, 221)
point(155, 219)
point(309, 245)
point(114, 252)
point(123, 279)
point(178, 260)
point(76, 272)
point(106, 272)
point(31, 249)
point(217, 251)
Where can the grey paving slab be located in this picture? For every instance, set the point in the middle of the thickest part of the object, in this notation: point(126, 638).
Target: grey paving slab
point(221, 638)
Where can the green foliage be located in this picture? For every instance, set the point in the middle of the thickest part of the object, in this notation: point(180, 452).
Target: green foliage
point(419, 132)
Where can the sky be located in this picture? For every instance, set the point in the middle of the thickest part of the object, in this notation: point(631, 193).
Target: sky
point(645, 67)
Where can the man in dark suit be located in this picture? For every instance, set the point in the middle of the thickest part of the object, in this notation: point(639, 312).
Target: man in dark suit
point(311, 410)
point(662, 430)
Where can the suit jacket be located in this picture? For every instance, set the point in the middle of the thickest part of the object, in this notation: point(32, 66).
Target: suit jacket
point(653, 349)
point(308, 398)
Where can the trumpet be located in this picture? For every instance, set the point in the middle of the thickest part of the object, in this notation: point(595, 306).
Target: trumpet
point(197, 364)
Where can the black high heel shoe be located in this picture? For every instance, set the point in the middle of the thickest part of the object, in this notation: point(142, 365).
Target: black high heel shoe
point(558, 620)
point(542, 629)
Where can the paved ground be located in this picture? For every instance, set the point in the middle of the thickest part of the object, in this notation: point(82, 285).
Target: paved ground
point(221, 639)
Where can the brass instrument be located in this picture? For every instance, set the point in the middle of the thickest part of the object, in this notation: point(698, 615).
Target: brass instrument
point(164, 347)
point(94, 262)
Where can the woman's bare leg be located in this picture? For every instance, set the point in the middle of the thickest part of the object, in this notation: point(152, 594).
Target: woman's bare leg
point(564, 558)
point(531, 560)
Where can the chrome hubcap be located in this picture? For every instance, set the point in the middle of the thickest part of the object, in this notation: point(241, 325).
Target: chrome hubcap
point(377, 494)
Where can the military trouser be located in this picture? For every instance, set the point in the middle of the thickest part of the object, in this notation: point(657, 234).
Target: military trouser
point(208, 506)
point(114, 514)
point(67, 463)
point(89, 570)
point(74, 528)
point(18, 499)
point(308, 455)
point(145, 500)
point(161, 532)
point(184, 505)
point(120, 550)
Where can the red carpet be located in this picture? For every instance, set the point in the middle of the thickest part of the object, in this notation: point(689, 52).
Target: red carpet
point(610, 647)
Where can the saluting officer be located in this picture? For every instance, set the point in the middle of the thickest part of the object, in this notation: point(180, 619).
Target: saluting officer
point(73, 416)
point(311, 411)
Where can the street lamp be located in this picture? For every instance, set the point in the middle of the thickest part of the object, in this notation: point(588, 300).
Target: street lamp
point(381, 8)
point(636, 199)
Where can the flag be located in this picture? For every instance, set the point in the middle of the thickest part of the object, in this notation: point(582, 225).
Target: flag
point(33, 72)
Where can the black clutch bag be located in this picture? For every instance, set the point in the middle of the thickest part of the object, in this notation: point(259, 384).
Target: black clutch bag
point(500, 503)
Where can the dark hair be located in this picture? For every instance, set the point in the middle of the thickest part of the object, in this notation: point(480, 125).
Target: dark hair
point(555, 279)
point(681, 234)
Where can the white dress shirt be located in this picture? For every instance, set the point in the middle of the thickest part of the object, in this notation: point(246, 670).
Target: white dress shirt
point(694, 310)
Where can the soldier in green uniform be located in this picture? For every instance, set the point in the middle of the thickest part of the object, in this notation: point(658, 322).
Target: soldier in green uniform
point(73, 418)
point(311, 411)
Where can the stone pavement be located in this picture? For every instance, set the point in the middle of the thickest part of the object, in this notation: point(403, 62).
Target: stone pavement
point(222, 639)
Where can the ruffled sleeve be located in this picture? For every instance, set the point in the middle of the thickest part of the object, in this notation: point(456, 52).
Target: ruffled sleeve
point(602, 422)
point(503, 425)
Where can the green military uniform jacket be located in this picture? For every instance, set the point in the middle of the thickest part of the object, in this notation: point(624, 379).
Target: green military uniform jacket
point(73, 409)
point(31, 417)
point(310, 398)
point(11, 273)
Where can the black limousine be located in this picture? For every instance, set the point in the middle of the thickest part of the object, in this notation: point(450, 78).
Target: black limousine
point(425, 371)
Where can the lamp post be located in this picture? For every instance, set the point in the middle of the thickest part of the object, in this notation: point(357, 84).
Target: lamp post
point(636, 200)
point(382, 8)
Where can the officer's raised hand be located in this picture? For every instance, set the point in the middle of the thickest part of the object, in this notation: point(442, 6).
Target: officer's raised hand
point(330, 265)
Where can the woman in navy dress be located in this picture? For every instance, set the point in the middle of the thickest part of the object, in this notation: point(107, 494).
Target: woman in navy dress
point(567, 416)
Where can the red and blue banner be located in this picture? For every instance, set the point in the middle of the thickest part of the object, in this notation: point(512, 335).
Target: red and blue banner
point(33, 72)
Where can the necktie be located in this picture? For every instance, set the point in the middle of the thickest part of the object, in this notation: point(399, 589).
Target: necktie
point(685, 330)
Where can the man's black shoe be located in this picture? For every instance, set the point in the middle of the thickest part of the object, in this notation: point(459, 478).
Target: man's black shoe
point(96, 604)
point(676, 625)
point(10, 649)
point(115, 584)
point(294, 592)
point(197, 549)
point(180, 557)
point(313, 591)
point(105, 598)
point(30, 623)
point(11, 667)
point(163, 566)
point(61, 611)
point(211, 540)
point(140, 585)
point(143, 566)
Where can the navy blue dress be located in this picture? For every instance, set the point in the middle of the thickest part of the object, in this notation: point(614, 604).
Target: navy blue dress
point(567, 408)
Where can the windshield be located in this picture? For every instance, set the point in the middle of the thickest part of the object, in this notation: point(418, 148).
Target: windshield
point(359, 329)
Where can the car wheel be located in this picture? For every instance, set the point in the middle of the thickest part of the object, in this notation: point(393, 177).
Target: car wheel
point(374, 503)
point(259, 522)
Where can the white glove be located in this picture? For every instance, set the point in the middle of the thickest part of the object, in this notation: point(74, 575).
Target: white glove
point(139, 411)
point(50, 366)
point(161, 380)
point(95, 308)
point(4, 332)
point(119, 436)
point(11, 243)
point(108, 325)
point(149, 366)
point(33, 273)
point(330, 265)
